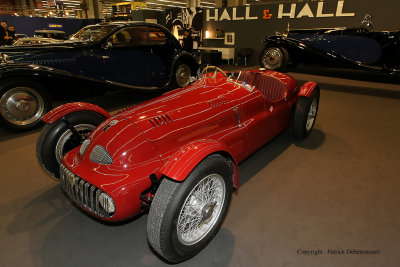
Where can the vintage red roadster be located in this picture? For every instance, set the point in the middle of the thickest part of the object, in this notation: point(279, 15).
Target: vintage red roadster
point(175, 156)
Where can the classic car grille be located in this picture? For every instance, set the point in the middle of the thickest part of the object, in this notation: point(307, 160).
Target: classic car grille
point(100, 155)
point(82, 192)
point(160, 120)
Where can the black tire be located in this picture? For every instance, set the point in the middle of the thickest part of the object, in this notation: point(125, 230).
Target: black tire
point(168, 206)
point(305, 115)
point(56, 139)
point(274, 58)
point(23, 102)
point(181, 75)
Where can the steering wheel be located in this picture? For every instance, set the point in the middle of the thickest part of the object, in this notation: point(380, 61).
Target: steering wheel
point(212, 67)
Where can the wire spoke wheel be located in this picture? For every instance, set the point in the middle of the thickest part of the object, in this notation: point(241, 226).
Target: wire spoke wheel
point(312, 114)
point(68, 140)
point(201, 209)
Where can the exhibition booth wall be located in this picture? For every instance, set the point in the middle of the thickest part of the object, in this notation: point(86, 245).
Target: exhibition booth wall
point(249, 25)
point(28, 25)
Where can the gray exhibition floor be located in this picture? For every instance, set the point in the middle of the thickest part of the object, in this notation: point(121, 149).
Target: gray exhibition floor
point(338, 189)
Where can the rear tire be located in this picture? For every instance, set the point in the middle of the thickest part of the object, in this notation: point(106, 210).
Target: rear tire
point(23, 102)
point(56, 139)
point(181, 76)
point(185, 216)
point(305, 115)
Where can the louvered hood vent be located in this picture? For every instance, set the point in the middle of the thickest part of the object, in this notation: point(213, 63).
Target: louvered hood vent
point(160, 120)
point(100, 155)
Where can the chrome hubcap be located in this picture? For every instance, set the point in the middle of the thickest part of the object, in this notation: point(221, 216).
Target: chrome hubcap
point(183, 75)
point(272, 58)
point(201, 209)
point(67, 142)
point(312, 113)
point(22, 106)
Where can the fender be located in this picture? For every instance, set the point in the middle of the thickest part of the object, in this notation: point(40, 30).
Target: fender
point(59, 112)
point(308, 89)
point(182, 162)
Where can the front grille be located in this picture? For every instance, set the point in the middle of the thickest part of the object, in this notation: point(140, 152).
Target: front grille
point(82, 192)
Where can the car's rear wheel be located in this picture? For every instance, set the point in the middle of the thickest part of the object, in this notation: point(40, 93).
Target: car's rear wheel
point(59, 137)
point(185, 216)
point(274, 58)
point(23, 102)
point(305, 114)
point(182, 75)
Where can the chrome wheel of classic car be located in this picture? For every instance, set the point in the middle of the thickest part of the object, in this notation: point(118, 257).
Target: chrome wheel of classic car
point(185, 216)
point(59, 137)
point(22, 104)
point(274, 58)
point(182, 75)
point(305, 114)
point(201, 209)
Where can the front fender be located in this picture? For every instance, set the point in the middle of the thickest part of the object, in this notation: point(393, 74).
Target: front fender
point(59, 112)
point(308, 89)
point(180, 164)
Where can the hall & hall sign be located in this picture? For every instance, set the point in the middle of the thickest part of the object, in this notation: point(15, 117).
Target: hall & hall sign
point(295, 10)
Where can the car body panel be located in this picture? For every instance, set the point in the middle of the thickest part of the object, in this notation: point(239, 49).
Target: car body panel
point(60, 111)
point(170, 135)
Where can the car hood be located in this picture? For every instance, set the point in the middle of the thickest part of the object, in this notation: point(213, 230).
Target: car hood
point(182, 110)
point(121, 141)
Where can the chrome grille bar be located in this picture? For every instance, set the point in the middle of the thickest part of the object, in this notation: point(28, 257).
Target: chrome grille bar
point(81, 192)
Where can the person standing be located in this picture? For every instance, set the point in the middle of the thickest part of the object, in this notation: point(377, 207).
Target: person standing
point(3, 33)
point(187, 41)
point(11, 35)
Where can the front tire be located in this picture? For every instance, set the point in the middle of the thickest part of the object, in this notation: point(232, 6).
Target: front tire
point(305, 115)
point(57, 138)
point(274, 58)
point(23, 103)
point(185, 216)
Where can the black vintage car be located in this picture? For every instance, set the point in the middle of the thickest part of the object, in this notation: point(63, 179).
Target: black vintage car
point(135, 55)
point(357, 48)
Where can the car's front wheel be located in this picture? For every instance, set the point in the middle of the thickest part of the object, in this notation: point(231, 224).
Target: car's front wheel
point(185, 216)
point(274, 58)
point(59, 137)
point(23, 102)
point(182, 75)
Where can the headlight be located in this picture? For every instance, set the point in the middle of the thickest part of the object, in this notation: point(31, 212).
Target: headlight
point(84, 146)
point(106, 203)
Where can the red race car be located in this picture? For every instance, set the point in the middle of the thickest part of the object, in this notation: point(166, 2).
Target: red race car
point(175, 156)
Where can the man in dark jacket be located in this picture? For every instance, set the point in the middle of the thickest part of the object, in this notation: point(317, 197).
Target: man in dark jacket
point(3, 33)
point(187, 41)
point(11, 35)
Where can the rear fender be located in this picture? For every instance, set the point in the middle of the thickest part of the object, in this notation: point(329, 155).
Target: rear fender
point(308, 89)
point(63, 110)
point(180, 164)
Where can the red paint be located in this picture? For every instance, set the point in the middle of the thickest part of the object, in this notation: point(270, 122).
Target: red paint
point(59, 112)
point(171, 134)
point(308, 89)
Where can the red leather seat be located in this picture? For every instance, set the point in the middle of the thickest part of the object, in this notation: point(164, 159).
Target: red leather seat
point(272, 88)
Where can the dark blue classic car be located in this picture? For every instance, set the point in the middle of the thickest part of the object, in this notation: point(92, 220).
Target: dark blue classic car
point(359, 48)
point(135, 55)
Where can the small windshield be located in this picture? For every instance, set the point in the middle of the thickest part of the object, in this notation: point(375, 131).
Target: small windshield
point(93, 33)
